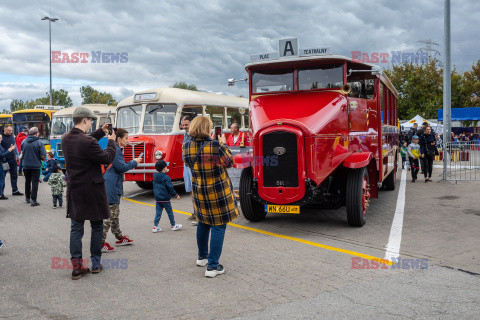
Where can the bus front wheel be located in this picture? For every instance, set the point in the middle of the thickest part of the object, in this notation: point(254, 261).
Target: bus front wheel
point(145, 185)
point(357, 197)
point(251, 209)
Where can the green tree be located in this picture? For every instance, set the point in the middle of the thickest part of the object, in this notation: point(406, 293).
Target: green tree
point(420, 89)
point(17, 104)
point(184, 85)
point(59, 98)
point(90, 95)
point(472, 85)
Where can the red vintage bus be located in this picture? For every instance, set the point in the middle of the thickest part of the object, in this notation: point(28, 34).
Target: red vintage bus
point(325, 133)
point(152, 118)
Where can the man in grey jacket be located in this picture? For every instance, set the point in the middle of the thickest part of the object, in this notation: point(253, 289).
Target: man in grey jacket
point(33, 153)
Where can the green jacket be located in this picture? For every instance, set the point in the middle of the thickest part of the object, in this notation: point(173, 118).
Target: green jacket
point(57, 182)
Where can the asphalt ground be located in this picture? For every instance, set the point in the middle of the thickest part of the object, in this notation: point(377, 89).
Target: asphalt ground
point(307, 266)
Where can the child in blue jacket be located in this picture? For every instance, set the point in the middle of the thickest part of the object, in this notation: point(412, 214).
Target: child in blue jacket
point(163, 191)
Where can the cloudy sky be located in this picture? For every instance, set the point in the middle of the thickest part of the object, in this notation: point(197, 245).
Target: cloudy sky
point(206, 42)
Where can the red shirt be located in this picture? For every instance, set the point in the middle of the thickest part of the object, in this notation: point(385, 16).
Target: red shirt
point(242, 136)
point(20, 137)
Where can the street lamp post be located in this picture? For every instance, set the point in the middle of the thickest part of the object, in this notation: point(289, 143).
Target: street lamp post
point(50, 20)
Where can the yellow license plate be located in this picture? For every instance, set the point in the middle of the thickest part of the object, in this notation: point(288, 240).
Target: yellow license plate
point(282, 209)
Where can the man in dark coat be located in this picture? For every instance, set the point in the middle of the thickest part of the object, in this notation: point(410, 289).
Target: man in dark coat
point(86, 195)
point(33, 153)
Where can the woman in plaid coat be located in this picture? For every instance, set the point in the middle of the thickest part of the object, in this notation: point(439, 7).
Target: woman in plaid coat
point(214, 202)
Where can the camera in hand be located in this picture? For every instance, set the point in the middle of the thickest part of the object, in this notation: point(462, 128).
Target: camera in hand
point(110, 128)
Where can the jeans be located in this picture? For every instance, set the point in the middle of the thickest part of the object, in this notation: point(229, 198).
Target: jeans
point(47, 175)
point(404, 159)
point(158, 214)
point(76, 235)
point(13, 176)
point(216, 242)
point(58, 197)
point(31, 183)
point(20, 167)
point(2, 181)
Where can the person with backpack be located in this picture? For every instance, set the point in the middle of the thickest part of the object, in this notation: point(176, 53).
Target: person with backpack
point(114, 186)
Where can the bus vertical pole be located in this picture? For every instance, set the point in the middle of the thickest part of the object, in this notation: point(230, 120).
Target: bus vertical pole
point(446, 89)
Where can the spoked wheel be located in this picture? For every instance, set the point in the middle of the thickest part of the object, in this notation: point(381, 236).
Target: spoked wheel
point(251, 209)
point(358, 197)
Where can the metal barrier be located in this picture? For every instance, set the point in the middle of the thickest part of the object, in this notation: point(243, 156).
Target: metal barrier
point(463, 160)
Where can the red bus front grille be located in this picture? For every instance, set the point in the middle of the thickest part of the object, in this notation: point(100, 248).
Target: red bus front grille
point(128, 151)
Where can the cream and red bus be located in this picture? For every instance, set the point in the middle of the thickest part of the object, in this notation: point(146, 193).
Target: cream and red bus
point(152, 118)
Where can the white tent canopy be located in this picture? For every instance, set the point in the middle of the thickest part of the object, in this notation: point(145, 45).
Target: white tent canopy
point(438, 128)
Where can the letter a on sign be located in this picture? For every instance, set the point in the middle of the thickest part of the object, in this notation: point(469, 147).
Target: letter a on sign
point(288, 48)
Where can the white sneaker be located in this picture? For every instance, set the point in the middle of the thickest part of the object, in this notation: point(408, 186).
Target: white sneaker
point(214, 272)
point(202, 262)
point(176, 227)
point(156, 229)
point(194, 223)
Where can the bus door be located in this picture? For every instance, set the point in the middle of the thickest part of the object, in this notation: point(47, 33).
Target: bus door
point(358, 111)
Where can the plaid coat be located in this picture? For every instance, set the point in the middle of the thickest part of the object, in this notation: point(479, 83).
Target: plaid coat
point(214, 202)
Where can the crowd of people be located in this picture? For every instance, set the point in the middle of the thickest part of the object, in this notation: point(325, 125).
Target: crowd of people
point(418, 149)
point(93, 194)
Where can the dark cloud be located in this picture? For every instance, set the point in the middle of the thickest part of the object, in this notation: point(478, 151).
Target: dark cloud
point(206, 42)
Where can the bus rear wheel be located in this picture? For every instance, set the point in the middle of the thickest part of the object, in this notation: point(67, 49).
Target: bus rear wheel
point(145, 185)
point(251, 209)
point(357, 197)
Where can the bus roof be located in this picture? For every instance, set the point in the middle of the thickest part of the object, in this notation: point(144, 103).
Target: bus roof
point(5, 115)
point(49, 112)
point(329, 58)
point(183, 97)
point(96, 108)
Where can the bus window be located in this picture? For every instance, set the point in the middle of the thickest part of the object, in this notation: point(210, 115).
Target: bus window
point(272, 80)
point(246, 121)
point(233, 115)
point(369, 88)
point(129, 118)
point(216, 114)
point(191, 111)
point(322, 77)
point(159, 118)
point(61, 125)
point(356, 89)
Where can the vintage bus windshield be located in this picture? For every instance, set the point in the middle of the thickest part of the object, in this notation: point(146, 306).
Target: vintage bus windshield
point(159, 118)
point(40, 120)
point(309, 78)
point(61, 125)
point(129, 118)
point(272, 80)
point(322, 77)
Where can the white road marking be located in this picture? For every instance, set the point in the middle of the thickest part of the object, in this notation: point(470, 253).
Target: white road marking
point(139, 193)
point(395, 239)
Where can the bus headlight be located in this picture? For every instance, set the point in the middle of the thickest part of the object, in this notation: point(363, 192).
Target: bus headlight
point(159, 154)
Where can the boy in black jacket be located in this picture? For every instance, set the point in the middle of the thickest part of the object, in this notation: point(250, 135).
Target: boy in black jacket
point(163, 191)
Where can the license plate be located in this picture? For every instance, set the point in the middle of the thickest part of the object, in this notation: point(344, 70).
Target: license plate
point(282, 209)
